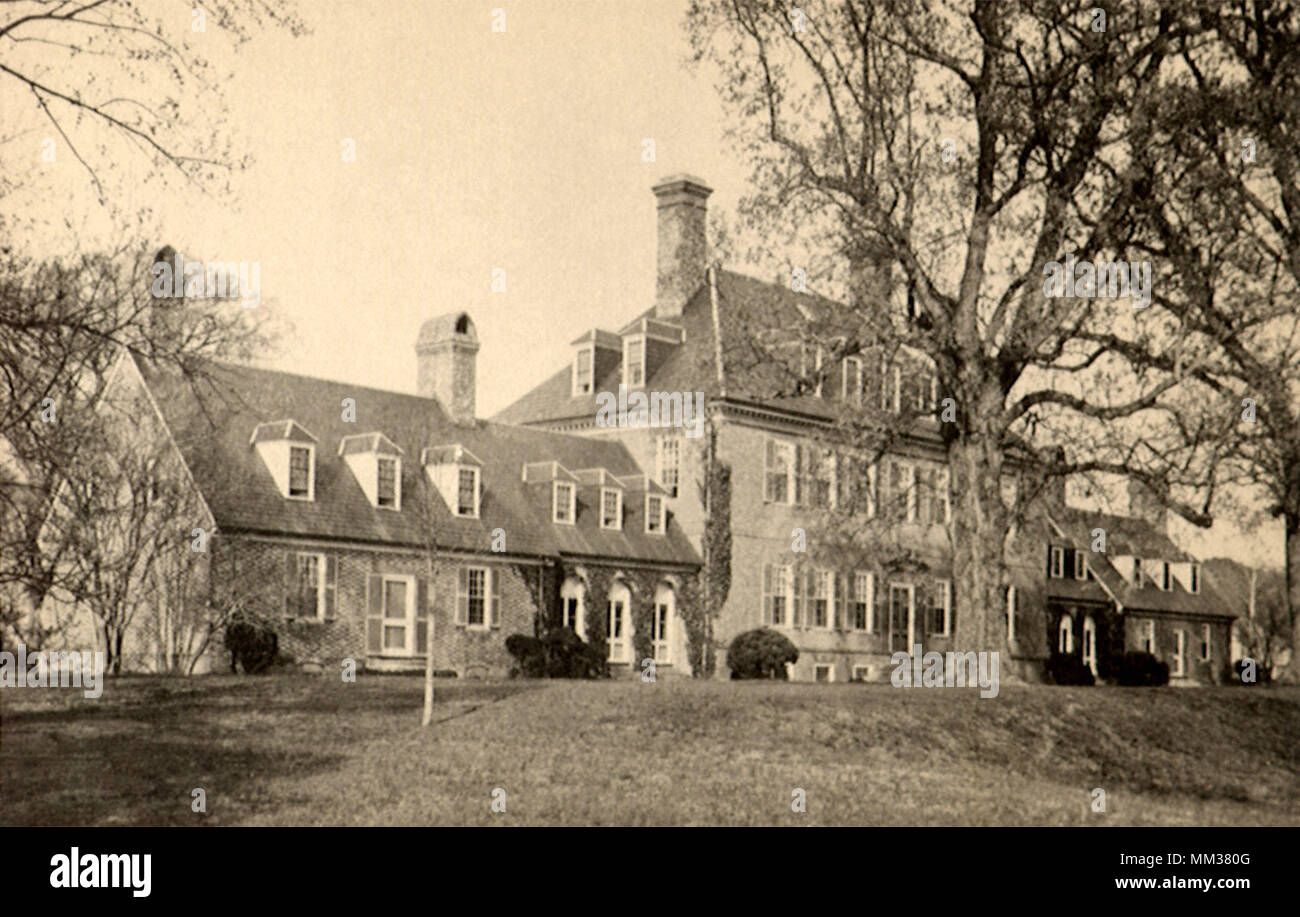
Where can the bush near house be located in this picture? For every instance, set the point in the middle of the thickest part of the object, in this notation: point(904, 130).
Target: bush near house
point(253, 648)
point(1141, 669)
point(761, 653)
point(558, 654)
point(1067, 669)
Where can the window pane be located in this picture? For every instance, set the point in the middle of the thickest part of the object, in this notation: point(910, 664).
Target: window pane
point(299, 469)
point(387, 482)
point(477, 591)
point(395, 599)
point(467, 491)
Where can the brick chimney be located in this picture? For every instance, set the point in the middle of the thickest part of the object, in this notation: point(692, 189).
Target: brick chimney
point(683, 242)
point(445, 355)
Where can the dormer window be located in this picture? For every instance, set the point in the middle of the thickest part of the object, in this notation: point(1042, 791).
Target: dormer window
point(584, 371)
point(611, 508)
point(467, 492)
point(1166, 576)
point(300, 472)
point(655, 521)
point(1194, 581)
point(634, 361)
point(386, 492)
point(563, 498)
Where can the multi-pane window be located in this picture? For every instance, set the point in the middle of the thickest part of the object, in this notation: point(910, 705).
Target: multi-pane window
point(583, 372)
point(634, 362)
point(823, 672)
point(670, 458)
point(779, 470)
point(1080, 565)
point(1205, 643)
point(856, 485)
point(818, 476)
point(299, 471)
point(820, 606)
point(654, 514)
point(891, 383)
point(776, 592)
point(1056, 567)
point(1180, 653)
point(851, 381)
point(467, 492)
point(307, 599)
point(902, 489)
point(611, 508)
point(860, 606)
point(562, 508)
point(941, 610)
point(1149, 636)
point(1194, 579)
point(396, 624)
point(477, 597)
point(617, 633)
point(660, 625)
point(387, 494)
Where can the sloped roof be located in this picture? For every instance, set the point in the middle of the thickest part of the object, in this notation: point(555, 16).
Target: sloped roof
point(1129, 535)
point(1232, 581)
point(212, 424)
point(749, 304)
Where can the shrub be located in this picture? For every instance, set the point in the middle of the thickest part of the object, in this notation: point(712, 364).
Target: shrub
point(1141, 669)
point(1262, 676)
point(559, 654)
point(761, 653)
point(1068, 669)
point(253, 648)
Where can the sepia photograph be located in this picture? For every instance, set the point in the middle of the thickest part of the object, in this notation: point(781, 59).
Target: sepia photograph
point(874, 414)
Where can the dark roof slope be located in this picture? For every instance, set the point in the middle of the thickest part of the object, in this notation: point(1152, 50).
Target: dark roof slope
point(213, 422)
point(1129, 535)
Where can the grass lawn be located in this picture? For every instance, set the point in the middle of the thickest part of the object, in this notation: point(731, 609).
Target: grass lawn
point(300, 749)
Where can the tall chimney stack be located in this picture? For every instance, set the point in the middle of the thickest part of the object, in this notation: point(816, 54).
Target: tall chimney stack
point(683, 242)
point(445, 355)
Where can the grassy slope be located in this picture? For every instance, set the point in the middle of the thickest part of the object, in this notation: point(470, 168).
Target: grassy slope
point(304, 750)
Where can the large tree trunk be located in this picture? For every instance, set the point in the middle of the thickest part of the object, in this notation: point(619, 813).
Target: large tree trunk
point(975, 464)
point(1292, 521)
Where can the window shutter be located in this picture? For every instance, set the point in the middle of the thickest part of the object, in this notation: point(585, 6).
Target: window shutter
point(374, 613)
point(421, 615)
point(798, 474)
point(462, 595)
point(1049, 561)
point(838, 617)
point(796, 599)
point(768, 456)
point(881, 609)
point(494, 575)
point(290, 584)
point(331, 583)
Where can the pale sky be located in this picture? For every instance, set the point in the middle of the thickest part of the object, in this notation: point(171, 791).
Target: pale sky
point(475, 150)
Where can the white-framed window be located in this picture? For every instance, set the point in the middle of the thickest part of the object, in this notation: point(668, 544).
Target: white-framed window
point(399, 615)
point(1058, 563)
point(891, 387)
point(563, 496)
point(572, 606)
point(618, 635)
point(823, 672)
point(779, 472)
point(584, 371)
point(860, 606)
point(820, 609)
point(851, 380)
point(387, 493)
point(1149, 636)
point(1194, 580)
point(1012, 608)
point(670, 462)
point(661, 624)
point(478, 597)
point(1206, 634)
point(1180, 653)
point(1080, 565)
point(655, 512)
point(307, 588)
point(902, 488)
point(634, 361)
point(862, 673)
point(301, 472)
point(1090, 643)
point(467, 491)
point(941, 626)
point(776, 594)
point(611, 508)
point(1065, 635)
